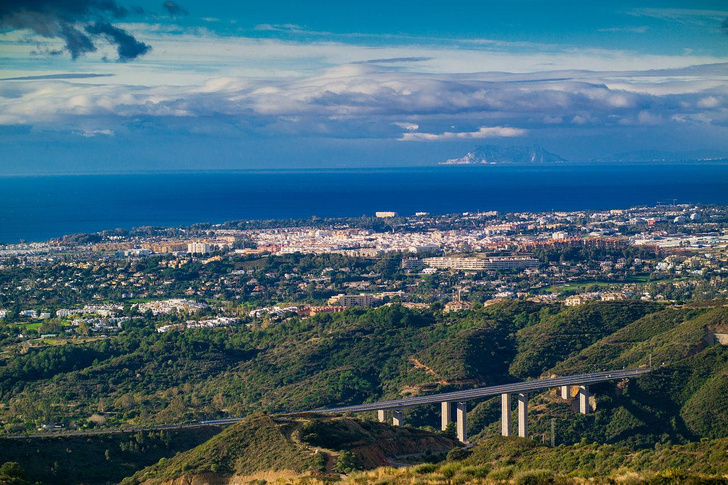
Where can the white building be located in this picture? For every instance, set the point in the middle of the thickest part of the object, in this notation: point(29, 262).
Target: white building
point(199, 248)
point(450, 262)
point(477, 264)
point(137, 252)
point(361, 299)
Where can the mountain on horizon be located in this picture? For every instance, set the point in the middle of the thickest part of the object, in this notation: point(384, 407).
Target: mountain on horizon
point(663, 156)
point(492, 154)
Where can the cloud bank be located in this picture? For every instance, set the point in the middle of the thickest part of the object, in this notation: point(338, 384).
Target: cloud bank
point(371, 101)
point(483, 132)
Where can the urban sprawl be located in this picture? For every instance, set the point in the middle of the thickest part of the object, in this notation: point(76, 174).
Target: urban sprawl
point(259, 273)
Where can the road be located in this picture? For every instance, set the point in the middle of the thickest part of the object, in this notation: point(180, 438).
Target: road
point(481, 392)
point(62, 433)
point(456, 396)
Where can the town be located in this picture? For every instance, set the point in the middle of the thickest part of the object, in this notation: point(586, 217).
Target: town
point(258, 273)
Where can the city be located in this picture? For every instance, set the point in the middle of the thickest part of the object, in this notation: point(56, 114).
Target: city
point(662, 253)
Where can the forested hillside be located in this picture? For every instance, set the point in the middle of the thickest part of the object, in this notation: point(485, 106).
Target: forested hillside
point(144, 377)
point(364, 355)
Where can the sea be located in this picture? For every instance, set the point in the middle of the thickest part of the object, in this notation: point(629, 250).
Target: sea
point(38, 208)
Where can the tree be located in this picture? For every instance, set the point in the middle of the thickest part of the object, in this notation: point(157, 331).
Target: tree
point(11, 473)
point(347, 462)
point(83, 329)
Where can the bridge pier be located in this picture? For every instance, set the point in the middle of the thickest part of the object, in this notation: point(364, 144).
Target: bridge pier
point(565, 394)
point(505, 414)
point(584, 399)
point(523, 415)
point(397, 417)
point(381, 415)
point(446, 415)
point(462, 412)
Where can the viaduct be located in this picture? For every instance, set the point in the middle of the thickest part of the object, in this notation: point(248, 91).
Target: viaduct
point(508, 392)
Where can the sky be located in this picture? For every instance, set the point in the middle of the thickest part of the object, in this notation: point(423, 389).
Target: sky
point(96, 86)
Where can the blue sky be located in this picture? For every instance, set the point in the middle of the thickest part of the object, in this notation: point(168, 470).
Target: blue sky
point(228, 85)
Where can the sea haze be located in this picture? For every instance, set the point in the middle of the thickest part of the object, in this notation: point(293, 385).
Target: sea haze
point(43, 207)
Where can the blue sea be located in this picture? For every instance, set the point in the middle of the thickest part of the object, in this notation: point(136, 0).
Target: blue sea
point(37, 208)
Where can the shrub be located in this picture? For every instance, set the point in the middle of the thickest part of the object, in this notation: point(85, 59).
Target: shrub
point(347, 462)
point(424, 469)
point(476, 471)
point(449, 470)
point(534, 477)
point(458, 454)
point(503, 473)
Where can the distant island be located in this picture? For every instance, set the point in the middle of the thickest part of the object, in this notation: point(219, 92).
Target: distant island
point(492, 154)
point(534, 154)
point(652, 156)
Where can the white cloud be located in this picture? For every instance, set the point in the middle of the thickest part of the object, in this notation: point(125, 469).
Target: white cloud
point(680, 14)
point(709, 102)
point(629, 30)
point(406, 125)
point(192, 55)
point(92, 133)
point(483, 132)
point(280, 28)
point(365, 100)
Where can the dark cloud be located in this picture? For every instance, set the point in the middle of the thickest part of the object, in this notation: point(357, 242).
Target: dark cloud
point(174, 9)
point(127, 46)
point(724, 26)
point(79, 23)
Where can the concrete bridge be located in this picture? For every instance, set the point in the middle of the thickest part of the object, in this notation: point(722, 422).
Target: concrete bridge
point(508, 392)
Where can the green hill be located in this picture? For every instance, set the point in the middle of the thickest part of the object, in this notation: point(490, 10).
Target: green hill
point(365, 355)
point(524, 462)
point(97, 459)
point(297, 445)
point(545, 344)
point(682, 400)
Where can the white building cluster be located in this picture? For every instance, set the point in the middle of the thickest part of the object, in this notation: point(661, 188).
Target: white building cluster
point(170, 306)
point(365, 243)
point(276, 311)
point(101, 310)
point(481, 264)
point(190, 324)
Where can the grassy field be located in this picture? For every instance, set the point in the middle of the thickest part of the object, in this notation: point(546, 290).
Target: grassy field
point(582, 285)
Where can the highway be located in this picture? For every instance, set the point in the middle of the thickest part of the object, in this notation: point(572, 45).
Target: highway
point(481, 392)
point(63, 432)
point(456, 396)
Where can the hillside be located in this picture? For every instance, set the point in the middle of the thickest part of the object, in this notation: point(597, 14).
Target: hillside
point(682, 400)
point(349, 358)
point(293, 446)
point(505, 460)
point(523, 462)
point(98, 459)
point(365, 355)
